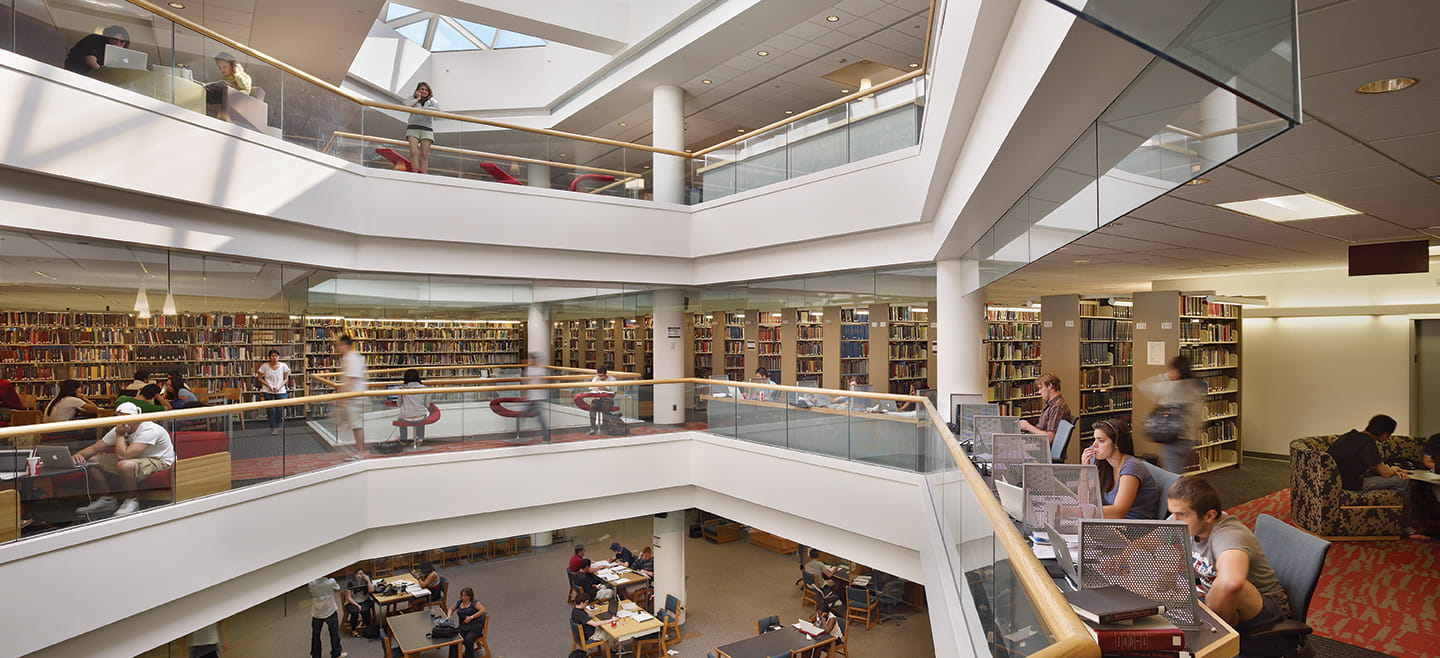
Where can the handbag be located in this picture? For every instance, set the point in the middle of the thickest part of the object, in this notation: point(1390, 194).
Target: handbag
point(445, 627)
point(1166, 424)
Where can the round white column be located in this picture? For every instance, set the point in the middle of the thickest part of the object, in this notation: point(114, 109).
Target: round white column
point(1218, 111)
point(959, 331)
point(669, 356)
point(668, 122)
point(537, 175)
point(537, 332)
point(669, 543)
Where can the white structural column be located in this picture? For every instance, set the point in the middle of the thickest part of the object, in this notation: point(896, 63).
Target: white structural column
point(669, 543)
point(668, 123)
point(959, 331)
point(669, 356)
point(537, 175)
point(1218, 112)
point(537, 332)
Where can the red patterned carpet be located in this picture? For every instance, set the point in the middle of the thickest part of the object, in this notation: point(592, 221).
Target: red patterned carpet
point(265, 468)
point(1380, 595)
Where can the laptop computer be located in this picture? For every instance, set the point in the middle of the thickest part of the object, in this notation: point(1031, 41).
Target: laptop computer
point(1012, 498)
point(55, 458)
point(13, 461)
point(1063, 556)
point(610, 612)
point(124, 58)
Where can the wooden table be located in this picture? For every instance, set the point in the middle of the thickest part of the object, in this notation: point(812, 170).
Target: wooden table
point(410, 630)
point(625, 628)
point(628, 578)
point(770, 644)
point(388, 604)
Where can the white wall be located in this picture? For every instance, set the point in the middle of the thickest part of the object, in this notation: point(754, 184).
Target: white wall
point(1303, 376)
point(218, 555)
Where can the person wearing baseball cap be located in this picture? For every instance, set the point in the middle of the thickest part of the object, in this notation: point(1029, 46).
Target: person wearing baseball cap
point(123, 458)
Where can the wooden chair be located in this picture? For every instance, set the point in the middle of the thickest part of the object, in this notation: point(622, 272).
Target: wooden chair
point(520, 544)
point(28, 401)
point(842, 645)
point(579, 640)
point(434, 556)
point(859, 606)
point(444, 600)
point(656, 641)
point(202, 393)
point(809, 595)
point(671, 621)
point(483, 642)
point(643, 597)
point(574, 589)
point(451, 555)
point(232, 395)
point(9, 515)
point(766, 624)
point(499, 547)
point(479, 550)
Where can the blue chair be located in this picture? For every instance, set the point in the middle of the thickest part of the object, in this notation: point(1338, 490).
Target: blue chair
point(1299, 572)
point(766, 624)
point(1063, 431)
point(860, 607)
point(1163, 481)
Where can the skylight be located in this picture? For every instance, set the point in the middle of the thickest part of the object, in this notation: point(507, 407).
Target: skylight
point(438, 33)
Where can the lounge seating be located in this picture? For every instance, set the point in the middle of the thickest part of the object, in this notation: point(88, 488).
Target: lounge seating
point(401, 162)
point(582, 400)
point(498, 406)
point(1321, 506)
point(202, 467)
point(242, 109)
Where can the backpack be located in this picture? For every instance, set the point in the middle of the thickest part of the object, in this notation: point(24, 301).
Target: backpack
point(614, 425)
point(445, 628)
point(1166, 424)
point(389, 447)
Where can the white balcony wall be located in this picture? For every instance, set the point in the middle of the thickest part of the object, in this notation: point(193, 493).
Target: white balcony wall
point(224, 553)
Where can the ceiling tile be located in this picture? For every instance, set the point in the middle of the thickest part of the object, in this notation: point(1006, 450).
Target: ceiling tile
point(1370, 31)
point(1314, 162)
point(1421, 152)
point(1359, 228)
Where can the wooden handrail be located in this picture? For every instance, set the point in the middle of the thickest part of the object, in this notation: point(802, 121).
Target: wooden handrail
point(1069, 636)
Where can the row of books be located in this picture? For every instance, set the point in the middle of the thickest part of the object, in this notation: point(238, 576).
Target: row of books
point(732, 318)
point(45, 354)
point(1011, 315)
point(908, 314)
point(1202, 306)
point(1221, 407)
point(769, 348)
point(854, 367)
point(852, 315)
point(854, 350)
point(1093, 307)
point(809, 366)
point(1218, 383)
point(1093, 329)
point(1010, 371)
point(1105, 376)
point(735, 332)
point(909, 371)
point(1225, 430)
point(769, 333)
point(734, 347)
point(1025, 408)
point(1011, 351)
point(1103, 401)
point(1011, 390)
point(809, 317)
point(1210, 356)
point(855, 332)
point(1012, 331)
point(909, 332)
point(910, 351)
point(814, 332)
point(1209, 331)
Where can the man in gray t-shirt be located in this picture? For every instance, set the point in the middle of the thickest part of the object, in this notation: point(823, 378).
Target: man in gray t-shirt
point(1233, 575)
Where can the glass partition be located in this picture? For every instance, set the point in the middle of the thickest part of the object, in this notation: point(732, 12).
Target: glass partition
point(882, 122)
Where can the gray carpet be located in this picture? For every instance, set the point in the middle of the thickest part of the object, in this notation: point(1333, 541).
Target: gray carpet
point(1255, 477)
point(729, 587)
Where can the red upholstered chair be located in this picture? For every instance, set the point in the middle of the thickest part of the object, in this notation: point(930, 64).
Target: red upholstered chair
point(500, 175)
point(401, 162)
point(498, 406)
point(599, 178)
point(582, 400)
point(427, 420)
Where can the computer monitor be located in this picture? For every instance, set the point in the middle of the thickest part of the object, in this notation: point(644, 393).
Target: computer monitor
point(1010, 451)
point(13, 461)
point(965, 419)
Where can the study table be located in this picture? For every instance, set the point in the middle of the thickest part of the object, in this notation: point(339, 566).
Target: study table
point(389, 602)
point(624, 579)
point(410, 633)
point(770, 644)
point(625, 628)
point(1213, 639)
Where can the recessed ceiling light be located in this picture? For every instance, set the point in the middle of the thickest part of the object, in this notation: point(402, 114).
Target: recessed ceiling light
point(1289, 208)
point(623, 123)
point(762, 53)
point(832, 19)
point(844, 91)
point(1082, 261)
point(789, 111)
point(704, 82)
point(1386, 86)
point(1197, 181)
point(562, 155)
point(176, 5)
point(739, 130)
point(913, 65)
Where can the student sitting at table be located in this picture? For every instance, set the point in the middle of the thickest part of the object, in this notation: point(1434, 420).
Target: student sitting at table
point(69, 403)
point(179, 395)
point(1127, 488)
point(646, 562)
point(149, 399)
point(762, 376)
point(139, 381)
point(579, 616)
point(589, 583)
point(470, 619)
point(432, 580)
point(622, 554)
point(827, 622)
point(576, 559)
point(359, 598)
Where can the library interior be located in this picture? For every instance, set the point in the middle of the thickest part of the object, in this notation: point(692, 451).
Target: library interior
point(787, 327)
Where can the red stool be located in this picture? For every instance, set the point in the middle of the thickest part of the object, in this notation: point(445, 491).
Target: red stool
point(599, 178)
point(500, 176)
point(401, 162)
point(582, 400)
point(429, 419)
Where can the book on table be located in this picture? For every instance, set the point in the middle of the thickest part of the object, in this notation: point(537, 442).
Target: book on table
point(1145, 634)
point(1104, 605)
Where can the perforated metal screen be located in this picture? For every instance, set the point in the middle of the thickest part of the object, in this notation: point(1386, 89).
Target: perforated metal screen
point(1060, 495)
point(1010, 451)
point(965, 418)
point(985, 427)
point(1149, 558)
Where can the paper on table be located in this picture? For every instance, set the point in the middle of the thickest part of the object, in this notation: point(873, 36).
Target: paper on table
point(1043, 551)
point(808, 628)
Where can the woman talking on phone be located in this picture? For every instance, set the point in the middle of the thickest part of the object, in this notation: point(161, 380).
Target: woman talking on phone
point(419, 130)
point(1127, 489)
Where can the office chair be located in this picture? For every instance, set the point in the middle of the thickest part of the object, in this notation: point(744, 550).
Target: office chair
point(891, 596)
point(1149, 558)
point(1299, 572)
point(1063, 432)
point(1163, 480)
point(767, 624)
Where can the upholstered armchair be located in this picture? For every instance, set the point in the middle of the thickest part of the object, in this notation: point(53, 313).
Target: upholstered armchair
point(1319, 504)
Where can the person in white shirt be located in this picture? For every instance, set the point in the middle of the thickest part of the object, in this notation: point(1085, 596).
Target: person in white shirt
point(274, 376)
point(828, 624)
point(141, 380)
point(349, 414)
point(533, 372)
point(598, 406)
point(125, 456)
point(325, 611)
point(414, 408)
point(69, 402)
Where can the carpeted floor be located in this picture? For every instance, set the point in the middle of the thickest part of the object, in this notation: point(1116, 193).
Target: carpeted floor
point(1379, 595)
point(1256, 477)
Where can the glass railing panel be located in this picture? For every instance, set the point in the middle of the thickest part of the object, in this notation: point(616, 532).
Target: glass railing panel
point(310, 115)
point(762, 161)
point(818, 142)
point(816, 426)
point(1248, 45)
point(886, 121)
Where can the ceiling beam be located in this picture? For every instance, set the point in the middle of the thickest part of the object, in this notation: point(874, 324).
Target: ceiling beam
point(598, 25)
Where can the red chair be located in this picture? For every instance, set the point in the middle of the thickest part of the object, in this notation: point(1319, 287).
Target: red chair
point(498, 406)
point(582, 400)
point(430, 419)
point(500, 175)
point(599, 178)
point(401, 162)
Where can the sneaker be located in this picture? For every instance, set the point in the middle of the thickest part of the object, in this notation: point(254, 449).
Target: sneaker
point(101, 505)
point(130, 506)
point(274, 432)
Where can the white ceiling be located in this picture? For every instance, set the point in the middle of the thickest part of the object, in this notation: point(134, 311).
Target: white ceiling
point(1373, 153)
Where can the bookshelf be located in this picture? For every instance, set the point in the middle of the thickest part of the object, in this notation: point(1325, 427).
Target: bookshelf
point(1089, 345)
point(769, 345)
point(103, 350)
point(855, 344)
point(810, 335)
point(1012, 354)
point(734, 344)
point(911, 357)
point(1208, 333)
point(703, 335)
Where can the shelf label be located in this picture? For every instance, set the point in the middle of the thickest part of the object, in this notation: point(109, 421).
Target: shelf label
point(672, 332)
point(1049, 324)
point(750, 345)
point(1167, 325)
point(1140, 326)
point(1069, 323)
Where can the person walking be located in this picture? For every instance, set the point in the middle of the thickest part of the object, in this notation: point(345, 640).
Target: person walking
point(1177, 389)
